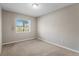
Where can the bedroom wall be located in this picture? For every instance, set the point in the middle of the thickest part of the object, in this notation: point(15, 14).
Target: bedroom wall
point(61, 27)
point(0, 29)
point(9, 29)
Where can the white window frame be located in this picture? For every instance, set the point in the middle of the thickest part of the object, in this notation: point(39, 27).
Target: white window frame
point(24, 20)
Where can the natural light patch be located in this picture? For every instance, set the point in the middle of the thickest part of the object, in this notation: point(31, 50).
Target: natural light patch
point(23, 25)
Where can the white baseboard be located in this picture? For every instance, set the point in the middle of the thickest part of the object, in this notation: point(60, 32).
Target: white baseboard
point(17, 41)
point(60, 45)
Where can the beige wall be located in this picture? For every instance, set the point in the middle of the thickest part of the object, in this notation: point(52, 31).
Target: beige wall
point(0, 30)
point(9, 29)
point(61, 27)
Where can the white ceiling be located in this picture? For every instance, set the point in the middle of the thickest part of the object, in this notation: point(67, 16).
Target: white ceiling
point(27, 9)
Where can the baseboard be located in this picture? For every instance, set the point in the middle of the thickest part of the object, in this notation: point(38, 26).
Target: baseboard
point(60, 45)
point(17, 41)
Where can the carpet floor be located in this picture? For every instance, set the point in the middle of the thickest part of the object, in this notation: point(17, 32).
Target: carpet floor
point(35, 47)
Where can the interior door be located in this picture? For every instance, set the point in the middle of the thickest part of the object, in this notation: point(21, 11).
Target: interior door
point(0, 32)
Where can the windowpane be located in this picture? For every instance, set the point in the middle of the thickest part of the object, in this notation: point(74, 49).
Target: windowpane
point(23, 25)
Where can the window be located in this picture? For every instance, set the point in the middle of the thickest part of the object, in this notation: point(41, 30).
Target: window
point(23, 25)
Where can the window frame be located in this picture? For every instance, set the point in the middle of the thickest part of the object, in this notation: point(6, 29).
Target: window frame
point(24, 20)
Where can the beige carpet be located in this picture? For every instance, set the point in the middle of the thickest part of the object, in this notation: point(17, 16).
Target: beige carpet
point(35, 48)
